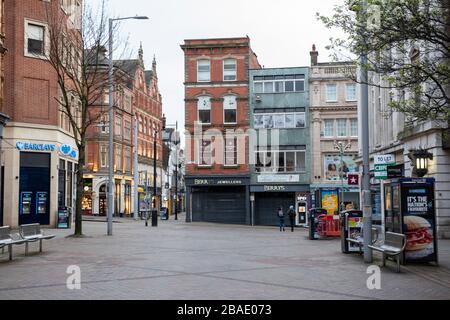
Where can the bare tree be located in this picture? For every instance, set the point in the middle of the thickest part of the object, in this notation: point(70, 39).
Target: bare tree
point(78, 36)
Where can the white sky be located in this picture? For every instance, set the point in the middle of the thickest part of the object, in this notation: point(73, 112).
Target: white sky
point(281, 32)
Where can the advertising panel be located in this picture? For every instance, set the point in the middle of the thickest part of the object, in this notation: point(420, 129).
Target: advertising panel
point(332, 166)
point(419, 223)
point(330, 201)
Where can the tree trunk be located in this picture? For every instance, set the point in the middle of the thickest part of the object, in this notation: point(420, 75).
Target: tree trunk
point(80, 191)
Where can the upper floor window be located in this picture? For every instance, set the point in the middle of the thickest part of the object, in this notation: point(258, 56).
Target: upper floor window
point(230, 109)
point(328, 128)
point(279, 84)
point(280, 120)
point(342, 128)
point(229, 70)
point(354, 127)
point(203, 70)
point(351, 92)
point(35, 39)
point(331, 93)
point(204, 110)
point(127, 130)
point(118, 126)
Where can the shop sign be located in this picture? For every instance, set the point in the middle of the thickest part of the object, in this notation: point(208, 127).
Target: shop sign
point(68, 151)
point(206, 182)
point(26, 146)
point(274, 188)
point(278, 178)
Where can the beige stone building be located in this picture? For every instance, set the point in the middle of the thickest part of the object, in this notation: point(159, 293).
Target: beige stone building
point(334, 118)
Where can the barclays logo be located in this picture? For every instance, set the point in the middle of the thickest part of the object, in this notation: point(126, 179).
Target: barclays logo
point(68, 151)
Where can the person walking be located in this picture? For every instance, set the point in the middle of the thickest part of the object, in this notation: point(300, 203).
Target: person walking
point(281, 218)
point(292, 215)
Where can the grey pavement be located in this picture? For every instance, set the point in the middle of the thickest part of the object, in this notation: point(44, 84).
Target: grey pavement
point(205, 261)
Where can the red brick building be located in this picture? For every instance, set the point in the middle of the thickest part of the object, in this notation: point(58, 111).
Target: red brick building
point(217, 119)
point(39, 155)
point(136, 97)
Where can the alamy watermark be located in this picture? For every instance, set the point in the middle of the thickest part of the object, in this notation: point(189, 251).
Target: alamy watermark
point(73, 281)
point(374, 280)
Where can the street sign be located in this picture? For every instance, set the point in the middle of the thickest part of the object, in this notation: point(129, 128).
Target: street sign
point(397, 171)
point(382, 162)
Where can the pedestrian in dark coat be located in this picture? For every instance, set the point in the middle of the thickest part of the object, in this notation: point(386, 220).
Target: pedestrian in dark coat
point(280, 214)
point(292, 215)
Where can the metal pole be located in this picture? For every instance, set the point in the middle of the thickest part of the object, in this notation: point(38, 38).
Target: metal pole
point(146, 198)
point(367, 209)
point(155, 174)
point(136, 170)
point(176, 171)
point(111, 141)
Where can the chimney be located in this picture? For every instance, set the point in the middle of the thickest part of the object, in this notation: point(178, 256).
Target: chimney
point(314, 56)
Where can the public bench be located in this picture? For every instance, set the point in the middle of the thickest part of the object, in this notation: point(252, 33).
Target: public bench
point(393, 246)
point(8, 239)
point(33, 233)
point(360, 240)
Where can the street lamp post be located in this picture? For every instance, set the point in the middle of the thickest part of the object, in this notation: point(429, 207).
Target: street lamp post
point(340, 146)
point(111, 115)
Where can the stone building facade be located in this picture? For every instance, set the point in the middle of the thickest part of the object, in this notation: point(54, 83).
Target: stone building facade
point(334, 120)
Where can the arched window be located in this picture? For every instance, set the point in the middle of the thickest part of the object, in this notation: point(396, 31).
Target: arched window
point(229, 110)
point(204, 110)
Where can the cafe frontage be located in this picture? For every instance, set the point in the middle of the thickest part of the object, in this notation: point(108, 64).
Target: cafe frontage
point(218, 199)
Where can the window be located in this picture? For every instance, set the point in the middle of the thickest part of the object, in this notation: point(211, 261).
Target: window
point(229, 70)
point(289, 86)
point(230, 109)
point(281, 161)
point(300, 121)
point(354, 127)
point(329, 128)
point(204, 110)
point(118, 157)
point(279, 120)
point(279, 84)
point(259, 121)
point(268, 87)
point(127, 130)
point(351, 92)
point(203, 70)
point(103, 156)
point(342, 128)
point(128, 159)
point(35, 39)
point(231, 151)
point(118, 126)
point(205, 152)
point(259, 87)
point(331, 93)
point(141, 124)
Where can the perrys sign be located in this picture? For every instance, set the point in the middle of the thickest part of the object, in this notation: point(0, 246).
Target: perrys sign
point(382, 162)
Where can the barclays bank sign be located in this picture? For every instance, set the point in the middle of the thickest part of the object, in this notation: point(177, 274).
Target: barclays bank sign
point(65, 149)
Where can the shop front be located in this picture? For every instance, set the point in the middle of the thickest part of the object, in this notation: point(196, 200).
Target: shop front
point(266, 199)
point(39, 181)
point(218, 199)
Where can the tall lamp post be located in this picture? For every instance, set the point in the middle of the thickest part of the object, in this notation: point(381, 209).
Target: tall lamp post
point(111, 115)
point(176, 142)
point(363, 78)
point(342, 148)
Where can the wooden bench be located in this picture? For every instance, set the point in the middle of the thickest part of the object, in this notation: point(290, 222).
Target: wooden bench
point(33, 233)
point(393, 246)
point(360, 240)
point(8, 239)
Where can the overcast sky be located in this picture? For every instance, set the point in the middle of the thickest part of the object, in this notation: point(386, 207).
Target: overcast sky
point(281, 32)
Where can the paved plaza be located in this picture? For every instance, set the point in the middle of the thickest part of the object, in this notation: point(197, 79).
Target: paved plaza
point(205, 261)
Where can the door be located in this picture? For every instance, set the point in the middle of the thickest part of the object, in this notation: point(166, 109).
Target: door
point(267, 204)
point(34, 188)
point(102, 205)
point(219, 205)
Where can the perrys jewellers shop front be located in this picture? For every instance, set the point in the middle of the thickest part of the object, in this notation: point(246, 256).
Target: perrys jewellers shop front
point(39, 180)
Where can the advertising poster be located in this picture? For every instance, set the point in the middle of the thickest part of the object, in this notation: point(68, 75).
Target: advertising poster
point(330, 201)
point(355, 227)
point(332, 166)
point(419, 223)
point(63, 218)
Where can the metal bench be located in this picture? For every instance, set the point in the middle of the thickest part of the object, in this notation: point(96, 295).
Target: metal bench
point(33, 233)
point(360, 240)
point(8, 239)
point(393, 246)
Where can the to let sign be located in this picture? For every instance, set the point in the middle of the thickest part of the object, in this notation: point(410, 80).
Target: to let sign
point(382, 162)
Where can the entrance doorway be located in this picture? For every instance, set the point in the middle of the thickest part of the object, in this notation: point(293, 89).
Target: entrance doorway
point(102, 201)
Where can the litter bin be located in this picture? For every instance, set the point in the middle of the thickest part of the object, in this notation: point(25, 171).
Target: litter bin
point(351, 227)
point(154, 218)
point(314, 222)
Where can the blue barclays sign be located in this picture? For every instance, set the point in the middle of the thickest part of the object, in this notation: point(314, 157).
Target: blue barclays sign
point(26, 146)
point(68, 151)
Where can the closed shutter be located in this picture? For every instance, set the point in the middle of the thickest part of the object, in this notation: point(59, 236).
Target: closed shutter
point(219, 205)
point(266, 207)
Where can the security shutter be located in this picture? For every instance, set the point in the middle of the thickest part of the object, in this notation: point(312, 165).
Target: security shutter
point(266, 207)
point(219, 205)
